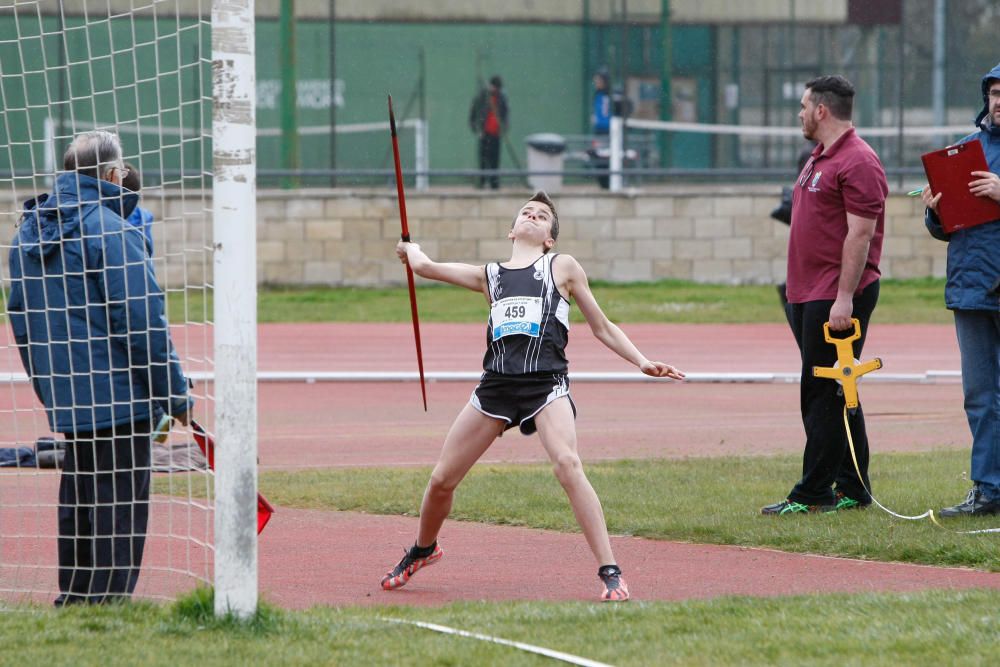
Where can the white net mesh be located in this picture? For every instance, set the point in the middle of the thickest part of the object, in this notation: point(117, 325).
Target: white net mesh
point(140, 70)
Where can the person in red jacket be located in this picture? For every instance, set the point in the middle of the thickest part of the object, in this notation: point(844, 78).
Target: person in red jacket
point(488, 119)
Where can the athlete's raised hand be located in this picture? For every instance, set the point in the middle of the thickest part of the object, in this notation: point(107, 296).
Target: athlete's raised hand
point(658, 369)
point(402, 249)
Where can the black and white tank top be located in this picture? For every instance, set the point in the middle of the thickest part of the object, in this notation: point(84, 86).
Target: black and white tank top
point(529, 320)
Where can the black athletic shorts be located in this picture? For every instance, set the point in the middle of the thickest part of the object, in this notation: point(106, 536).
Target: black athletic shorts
point(518, 398)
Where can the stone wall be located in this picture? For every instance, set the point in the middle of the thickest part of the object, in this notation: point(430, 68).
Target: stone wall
point(695, 233)
point(342, 237)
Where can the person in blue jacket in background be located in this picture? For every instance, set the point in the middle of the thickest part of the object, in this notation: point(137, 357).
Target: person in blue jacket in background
point(89, 321)
point(600, 116)
point(972, 292)
point(139, 217)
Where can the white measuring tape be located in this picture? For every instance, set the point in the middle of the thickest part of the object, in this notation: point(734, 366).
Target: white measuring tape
point(929, 514)
point(549, 653)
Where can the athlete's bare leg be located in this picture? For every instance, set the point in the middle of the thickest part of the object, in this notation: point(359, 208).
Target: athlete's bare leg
point(468, 439)
point(557, 430)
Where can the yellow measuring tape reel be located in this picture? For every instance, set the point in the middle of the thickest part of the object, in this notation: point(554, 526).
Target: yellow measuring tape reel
point(848, 369)
point(847, 372)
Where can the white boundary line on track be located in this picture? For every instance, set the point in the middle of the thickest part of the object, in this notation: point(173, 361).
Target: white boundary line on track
point(927, 377)
point(547, 652)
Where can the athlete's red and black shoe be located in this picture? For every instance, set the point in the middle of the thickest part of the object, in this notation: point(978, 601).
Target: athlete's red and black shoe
point(412, 561)
point(615, 589)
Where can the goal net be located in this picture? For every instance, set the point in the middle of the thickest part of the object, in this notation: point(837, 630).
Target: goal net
point(141, 70)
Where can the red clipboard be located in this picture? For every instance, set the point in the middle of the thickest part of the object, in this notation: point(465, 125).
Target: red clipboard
point(949, 172)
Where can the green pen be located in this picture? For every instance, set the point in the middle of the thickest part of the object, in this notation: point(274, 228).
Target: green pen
point(162, 429)
point(914, 193)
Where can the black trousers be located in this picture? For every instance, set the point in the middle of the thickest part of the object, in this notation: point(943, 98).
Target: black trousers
point(489, 159)
point(827, 459)
point(103, 513)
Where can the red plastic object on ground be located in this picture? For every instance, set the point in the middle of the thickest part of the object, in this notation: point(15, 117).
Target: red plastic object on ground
point(207, 445)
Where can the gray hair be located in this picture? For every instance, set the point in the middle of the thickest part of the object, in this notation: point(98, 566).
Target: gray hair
point(93, 153)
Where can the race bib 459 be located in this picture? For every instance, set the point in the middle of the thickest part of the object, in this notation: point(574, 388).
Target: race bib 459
point(516, 315)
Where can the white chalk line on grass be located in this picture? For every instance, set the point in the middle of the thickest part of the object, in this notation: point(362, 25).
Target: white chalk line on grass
point(530, 648)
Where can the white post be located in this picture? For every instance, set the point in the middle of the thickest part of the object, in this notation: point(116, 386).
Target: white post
point(49, 159)
point(617, 130)
point(234, 214)
point(421, 152)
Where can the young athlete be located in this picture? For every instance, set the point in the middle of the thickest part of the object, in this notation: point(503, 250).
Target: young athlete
point(524, 382)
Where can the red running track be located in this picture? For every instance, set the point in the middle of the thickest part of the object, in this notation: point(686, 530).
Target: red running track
point(364, 424)
point(357, 424)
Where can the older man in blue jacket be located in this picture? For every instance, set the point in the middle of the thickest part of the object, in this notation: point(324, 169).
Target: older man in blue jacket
point(972, 292)
point(89, 321)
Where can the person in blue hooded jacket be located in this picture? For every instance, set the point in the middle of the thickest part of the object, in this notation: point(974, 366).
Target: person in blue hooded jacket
point(88, 318)
point(972, 292)
point(139, 217)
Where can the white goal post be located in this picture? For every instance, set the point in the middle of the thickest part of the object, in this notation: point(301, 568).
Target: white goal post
point(234, 213)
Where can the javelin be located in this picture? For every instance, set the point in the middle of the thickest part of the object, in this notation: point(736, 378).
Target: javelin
point(406, 237)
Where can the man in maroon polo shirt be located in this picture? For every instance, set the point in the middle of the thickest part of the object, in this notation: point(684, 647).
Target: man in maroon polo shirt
point(838, 220)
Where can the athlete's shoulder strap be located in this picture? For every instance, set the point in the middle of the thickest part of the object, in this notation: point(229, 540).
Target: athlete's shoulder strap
point(493, 280)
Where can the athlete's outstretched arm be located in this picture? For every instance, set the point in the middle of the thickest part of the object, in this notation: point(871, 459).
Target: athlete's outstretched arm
point(604, 329)
point(464, 275)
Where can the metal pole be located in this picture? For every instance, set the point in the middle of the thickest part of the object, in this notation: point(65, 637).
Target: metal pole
point(666, 76)
point(422, 83)
point(789, 49)
point(623, 81)
point(333, 91)
point(49, 157)
point(937, 78)
point(623, 45)
point(734, 117)
point(63, 72)
point(900, 76)
point(234, 215)
point(289, 93)
point(422, 147)
point(420, 159)
point(615, 160)
point(588, 68)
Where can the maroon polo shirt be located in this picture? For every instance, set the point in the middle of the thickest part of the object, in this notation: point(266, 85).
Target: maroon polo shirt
point(848, 178)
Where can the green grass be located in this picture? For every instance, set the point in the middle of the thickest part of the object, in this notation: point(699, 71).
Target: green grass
point(703, 500)
point(901, 301)
point(929, 628)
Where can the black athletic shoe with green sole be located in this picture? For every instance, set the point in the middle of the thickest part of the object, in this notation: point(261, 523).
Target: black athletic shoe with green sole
point(846, 503)
point(787, 506)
